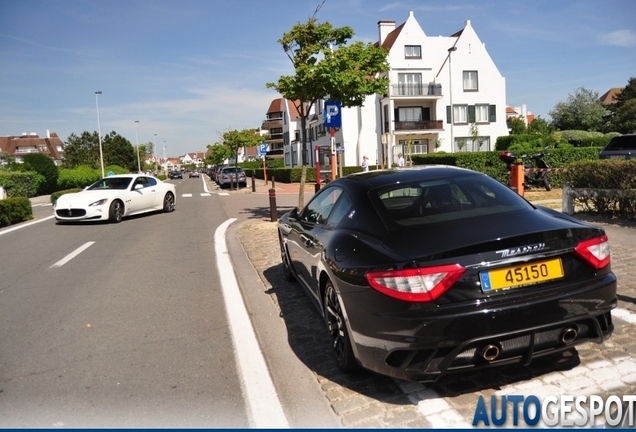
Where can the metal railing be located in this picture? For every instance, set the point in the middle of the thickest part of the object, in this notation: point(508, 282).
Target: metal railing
point(430, 89)
point(419, 125)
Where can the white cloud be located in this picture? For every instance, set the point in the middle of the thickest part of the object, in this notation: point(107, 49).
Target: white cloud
point(623, 38)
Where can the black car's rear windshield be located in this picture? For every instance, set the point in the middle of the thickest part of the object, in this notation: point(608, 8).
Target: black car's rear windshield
point(625, 142)
point(451, 199)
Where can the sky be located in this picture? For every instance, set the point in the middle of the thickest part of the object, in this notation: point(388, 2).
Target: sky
point(189, 70)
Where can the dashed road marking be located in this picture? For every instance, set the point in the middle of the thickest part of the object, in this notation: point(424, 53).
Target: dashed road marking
point(72, 255)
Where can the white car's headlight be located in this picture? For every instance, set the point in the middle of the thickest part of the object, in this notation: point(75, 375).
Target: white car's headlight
point(98, 202)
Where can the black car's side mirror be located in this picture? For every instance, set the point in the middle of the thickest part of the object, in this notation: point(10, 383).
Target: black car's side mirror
point(293, 214)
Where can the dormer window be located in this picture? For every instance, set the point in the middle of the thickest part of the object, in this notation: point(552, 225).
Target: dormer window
point(413, 51)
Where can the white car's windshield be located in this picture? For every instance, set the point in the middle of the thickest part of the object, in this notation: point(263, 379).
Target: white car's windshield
point(111, 183)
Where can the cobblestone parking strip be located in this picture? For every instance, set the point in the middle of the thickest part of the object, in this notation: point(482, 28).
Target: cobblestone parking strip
point(369, 400)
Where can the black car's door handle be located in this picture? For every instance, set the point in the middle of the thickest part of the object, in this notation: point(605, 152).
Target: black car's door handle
point(308, 242)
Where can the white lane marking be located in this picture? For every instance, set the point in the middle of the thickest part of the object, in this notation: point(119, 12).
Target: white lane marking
point(205, 184)
point(8, 230)
point(72, 255)
point(224, 194)
point(262, 399)
point(596, 376)
point(186, 196)
point(205, 194)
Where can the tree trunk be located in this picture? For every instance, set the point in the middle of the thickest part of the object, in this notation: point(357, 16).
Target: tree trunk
point(303, 173)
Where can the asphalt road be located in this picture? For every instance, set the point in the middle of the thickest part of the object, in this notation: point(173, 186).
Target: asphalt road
point(131, 332)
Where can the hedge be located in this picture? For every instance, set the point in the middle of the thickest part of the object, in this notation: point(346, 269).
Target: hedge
point(15, 210)
point(490, 164)
point(614, 183)
point(20, 184)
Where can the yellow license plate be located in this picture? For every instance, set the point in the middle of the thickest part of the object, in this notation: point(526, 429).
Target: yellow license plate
point(512, 277)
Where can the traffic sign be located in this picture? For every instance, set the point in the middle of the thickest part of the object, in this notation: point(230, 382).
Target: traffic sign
point(333, 118)
point(263, 148)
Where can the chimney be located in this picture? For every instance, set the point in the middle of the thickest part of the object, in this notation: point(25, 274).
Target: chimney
point(48, 134)
point(384, 28)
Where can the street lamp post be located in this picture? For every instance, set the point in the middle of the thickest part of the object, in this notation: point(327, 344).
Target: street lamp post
point(99, 133)
point(137, 139)
point(154, 154)
point(165, 163)
point(450, 95)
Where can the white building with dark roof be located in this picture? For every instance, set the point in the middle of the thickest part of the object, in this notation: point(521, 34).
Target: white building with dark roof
point(443, 90)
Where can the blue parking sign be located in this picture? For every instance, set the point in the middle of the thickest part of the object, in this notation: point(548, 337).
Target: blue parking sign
point(332, 114)
point(263, 149)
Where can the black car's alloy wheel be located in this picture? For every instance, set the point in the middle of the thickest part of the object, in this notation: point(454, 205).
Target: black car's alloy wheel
point(116, 212)
point(339, 336)
point(168, 202)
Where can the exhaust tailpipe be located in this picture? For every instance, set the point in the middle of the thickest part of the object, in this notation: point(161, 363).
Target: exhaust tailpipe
point(569, 334)
point(489, 352)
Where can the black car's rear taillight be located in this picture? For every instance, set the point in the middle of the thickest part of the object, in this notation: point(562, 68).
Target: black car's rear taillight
point(423, 284)
point(595, 251)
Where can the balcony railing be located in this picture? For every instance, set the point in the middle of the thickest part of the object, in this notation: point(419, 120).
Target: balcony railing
point(419, 125)
point(430, 89)
point(274, 137)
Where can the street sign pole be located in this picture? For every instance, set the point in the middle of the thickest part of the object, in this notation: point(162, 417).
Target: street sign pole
point(317, 159)
point(263, 152)
point(332, 132)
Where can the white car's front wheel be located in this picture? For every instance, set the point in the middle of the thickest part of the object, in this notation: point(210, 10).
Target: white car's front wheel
point(168, 202)
point(116, 212)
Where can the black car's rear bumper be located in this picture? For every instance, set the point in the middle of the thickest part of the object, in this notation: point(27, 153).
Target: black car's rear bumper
point(423, 345)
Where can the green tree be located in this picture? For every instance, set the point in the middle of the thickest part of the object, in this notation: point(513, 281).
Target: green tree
point(625, 118)
point(82, 150)
point(218, 153)
point(324, 66)
point(235, 140)
point(539, 126)
point(119, 151)
point(44, 166)
point(582, 111)
point(145, 151)
point(517, 126)
point(621, 113)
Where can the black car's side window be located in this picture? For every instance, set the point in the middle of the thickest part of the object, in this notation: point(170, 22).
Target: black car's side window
point(318, 210)
point(340, 210)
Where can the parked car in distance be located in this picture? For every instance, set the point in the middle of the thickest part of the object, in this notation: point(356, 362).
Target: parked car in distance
point(194, 174)
point(217, 170)
point(620, 147)
point(425, 271)
point(233, 175)
point(115, 197)
point(175, 175)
